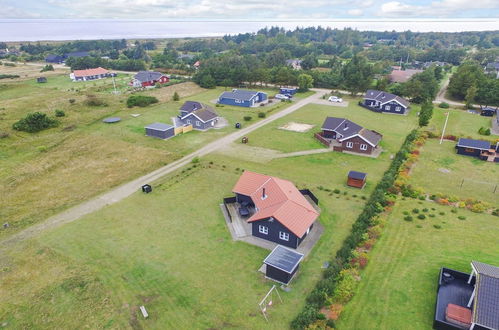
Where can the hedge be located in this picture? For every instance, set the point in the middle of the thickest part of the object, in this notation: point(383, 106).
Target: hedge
point(375, 205)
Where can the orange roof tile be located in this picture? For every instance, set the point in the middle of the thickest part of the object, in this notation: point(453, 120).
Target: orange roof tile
point(283, 201)
point(90, 72)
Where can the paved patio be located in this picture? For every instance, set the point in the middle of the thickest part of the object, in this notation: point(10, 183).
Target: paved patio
point(240, 230)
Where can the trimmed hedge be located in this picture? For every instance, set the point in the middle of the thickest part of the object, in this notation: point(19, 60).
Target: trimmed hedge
point(375, 205)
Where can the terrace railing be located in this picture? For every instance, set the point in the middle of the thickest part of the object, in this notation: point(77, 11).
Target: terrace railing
point(229, 200)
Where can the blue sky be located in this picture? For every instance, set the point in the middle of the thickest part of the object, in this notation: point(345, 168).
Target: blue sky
point(250, 9)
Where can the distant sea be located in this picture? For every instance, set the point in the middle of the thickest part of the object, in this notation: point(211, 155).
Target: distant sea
point(88, 29)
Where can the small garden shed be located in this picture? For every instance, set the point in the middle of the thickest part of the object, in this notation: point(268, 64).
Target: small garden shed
point(160, 130)
point(282, 264)
point(356, 179)
point(41, 80)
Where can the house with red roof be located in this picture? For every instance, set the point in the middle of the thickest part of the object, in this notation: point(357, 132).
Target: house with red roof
point(90, 74)
point(280, 212)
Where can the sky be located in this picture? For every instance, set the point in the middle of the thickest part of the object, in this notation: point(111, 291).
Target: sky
point(249, 9)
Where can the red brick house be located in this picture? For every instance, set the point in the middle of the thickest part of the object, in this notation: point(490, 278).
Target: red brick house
point(345, 135)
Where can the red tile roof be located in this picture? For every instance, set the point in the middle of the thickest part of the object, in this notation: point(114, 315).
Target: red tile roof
point(90, 72)
point(283, 201)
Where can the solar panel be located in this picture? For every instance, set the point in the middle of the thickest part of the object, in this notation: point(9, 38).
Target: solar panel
point(283, 259)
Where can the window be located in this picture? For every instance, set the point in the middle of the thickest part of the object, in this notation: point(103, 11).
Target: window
point(263, 229)
point(198, 123)
point(284, 236)
point(350, 145)
point(363, 147)
point(387, 107)
point(398, 109)
point(188, 121)
point(238, 101)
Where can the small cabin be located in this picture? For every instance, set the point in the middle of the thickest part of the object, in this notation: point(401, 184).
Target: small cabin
point(160, 130)
point(282, 264)
point(288, 91)
point(41, 80)
point(356, 179)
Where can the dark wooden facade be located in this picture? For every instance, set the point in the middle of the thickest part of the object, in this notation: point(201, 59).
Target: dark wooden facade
point(389, 107)
point(356, 183)
point(279, 275)
point(468, 151)
point(274, 228)
point(357, 144)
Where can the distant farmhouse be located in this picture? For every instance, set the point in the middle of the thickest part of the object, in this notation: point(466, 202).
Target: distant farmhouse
point(492, 68)
point(278, 211)
point(58, 59)
point(149, 79)
point(295, 64)
point(380, 101)
point(483, 150)
point(200, 116)
point(401, 76)
point(345, 135)
point(242, 98)
point(91, 74)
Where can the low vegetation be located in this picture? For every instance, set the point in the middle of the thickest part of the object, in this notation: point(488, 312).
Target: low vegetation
point(140, 101)
point(35, 122)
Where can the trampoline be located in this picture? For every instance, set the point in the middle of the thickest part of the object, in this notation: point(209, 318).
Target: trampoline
point(111, 120)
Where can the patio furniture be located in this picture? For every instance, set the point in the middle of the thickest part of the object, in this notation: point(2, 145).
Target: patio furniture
point(243, 211)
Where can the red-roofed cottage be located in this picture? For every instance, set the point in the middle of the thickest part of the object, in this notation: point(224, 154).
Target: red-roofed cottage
point(282, 214)
point(90, 74)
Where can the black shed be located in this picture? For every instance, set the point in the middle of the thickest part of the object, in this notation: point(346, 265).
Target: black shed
point(282, 264)
point(41, 80)
point(160, 130)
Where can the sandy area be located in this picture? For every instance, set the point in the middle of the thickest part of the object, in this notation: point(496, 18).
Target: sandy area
point(296, 127)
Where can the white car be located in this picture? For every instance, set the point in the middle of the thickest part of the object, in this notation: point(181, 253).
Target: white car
point(281, 97)
point(335, 99)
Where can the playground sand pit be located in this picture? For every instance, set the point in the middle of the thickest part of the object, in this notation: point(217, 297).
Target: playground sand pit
point(296, 127)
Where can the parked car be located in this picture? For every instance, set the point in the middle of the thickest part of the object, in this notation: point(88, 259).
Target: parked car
point(281, 97)
point(335, 99)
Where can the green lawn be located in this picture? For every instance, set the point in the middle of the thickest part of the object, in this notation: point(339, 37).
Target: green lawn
point(460, 123)
point(171, 251)
point(398, 287)
point(393, 127)
point(441, 170)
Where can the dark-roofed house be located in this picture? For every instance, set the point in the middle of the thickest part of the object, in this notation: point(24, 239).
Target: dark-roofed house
point(478, 148)
point(160, 130)
point(468, 301)
point(346, 135)
point(380, 101)
point(356, 179)
point(282, 264)
point(242, 98)
point(52, 58)
point(280, 212)
point(488, 111)
point(200, 116)
point(149, 79)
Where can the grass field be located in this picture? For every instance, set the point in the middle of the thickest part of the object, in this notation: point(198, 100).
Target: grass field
point(398, 287)
point(460, 123)
point(46, 172)
point(177, 258)
point(441, 170)
point(393, 127)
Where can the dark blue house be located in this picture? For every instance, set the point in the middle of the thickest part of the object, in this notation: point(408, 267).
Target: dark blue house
point(242, 98)
point(288, 90)
point(478, 148)
point(380, 101)
point(52, 58)
point(200, 116)
point(279, 212)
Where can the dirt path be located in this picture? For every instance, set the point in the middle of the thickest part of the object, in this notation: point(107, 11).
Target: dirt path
point(125, 190)
point(441, 95)
point(304, 152)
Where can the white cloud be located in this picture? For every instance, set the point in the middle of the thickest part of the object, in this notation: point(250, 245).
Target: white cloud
point(444, 8)
point(355, 12)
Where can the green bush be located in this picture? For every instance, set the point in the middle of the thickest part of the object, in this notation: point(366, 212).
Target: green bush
point(425, 210)
point(453, 211)
point(261, 115)
point(405, 212)
point(175, 97)
point(441, 213)
point(247, 118)
point(421, 216)
point(484, 131)
point(408, 218)
point(431, 215)
point(437, 226)
point(48, 67)
point(60, 113)
point(35, 122)
point(461, 217)
point(415, 211)
point(444, 105)
point(140, 101)
point(94, 101)
point(336, 191)
point(72, 101)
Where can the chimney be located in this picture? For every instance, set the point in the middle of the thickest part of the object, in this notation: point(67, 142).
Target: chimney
point(263, 194)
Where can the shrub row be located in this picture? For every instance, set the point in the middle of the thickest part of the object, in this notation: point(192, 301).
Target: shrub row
point(327, 286)
point(140, 100)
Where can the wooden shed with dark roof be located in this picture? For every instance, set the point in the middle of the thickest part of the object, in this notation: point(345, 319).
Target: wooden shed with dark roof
point(356, 179)
point(282, 264)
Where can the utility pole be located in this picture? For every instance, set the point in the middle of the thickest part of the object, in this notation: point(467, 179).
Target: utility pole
point(445, 125)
